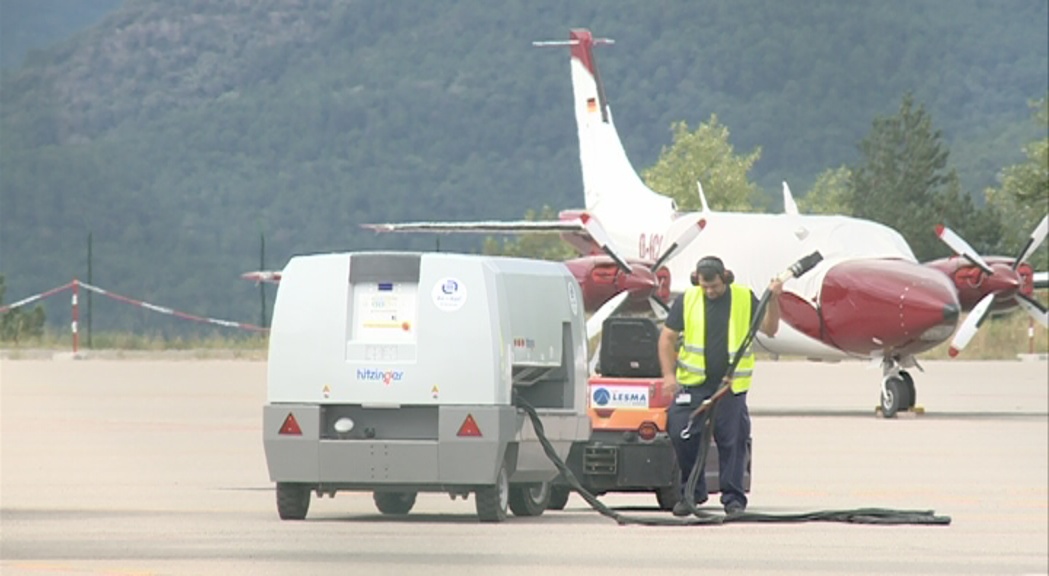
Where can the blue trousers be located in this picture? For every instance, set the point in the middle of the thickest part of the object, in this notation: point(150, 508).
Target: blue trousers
point(731, 431)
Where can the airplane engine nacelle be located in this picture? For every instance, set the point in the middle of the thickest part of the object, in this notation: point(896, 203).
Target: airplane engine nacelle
point(972, 283)
point(877, 305)
point(600, 279)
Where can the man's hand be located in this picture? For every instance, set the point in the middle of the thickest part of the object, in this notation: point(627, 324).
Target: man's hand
point(669, 389)
point(770, 323)
point(668, 362)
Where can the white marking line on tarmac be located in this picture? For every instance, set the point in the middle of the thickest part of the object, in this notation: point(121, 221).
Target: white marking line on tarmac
point(68, 569)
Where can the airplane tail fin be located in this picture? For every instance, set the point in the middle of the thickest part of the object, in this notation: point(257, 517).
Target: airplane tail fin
point(608, 176)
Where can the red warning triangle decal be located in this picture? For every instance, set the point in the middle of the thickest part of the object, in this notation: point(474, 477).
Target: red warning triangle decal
point(469, 427)
point(290, 426)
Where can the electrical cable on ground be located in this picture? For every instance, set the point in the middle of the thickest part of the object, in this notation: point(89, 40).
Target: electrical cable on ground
point(706, 411)
point(883, 516)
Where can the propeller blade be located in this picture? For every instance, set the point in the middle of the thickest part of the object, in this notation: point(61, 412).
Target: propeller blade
point(1041, 280)
point(962, 247)
point(972, 323)
point(1033, 242)
point(594, 324)
point(595, 359)
point(1034, 308)
point(598, 233)
point(683, 240)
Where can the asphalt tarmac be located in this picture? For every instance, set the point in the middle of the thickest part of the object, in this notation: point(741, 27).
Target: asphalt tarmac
point(136, 467)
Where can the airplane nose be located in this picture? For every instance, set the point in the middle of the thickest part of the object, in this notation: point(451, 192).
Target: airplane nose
point(950, 313)
point(878, 304)
point(1005, 281)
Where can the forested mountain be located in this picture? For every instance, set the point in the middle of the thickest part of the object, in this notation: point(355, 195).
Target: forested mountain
point(27, 25)
point(178, 132)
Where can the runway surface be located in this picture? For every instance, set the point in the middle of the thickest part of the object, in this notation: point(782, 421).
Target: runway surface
point(135, 467)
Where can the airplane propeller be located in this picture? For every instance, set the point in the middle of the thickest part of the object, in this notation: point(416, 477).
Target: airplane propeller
point(604, 241)
point(1035, 240)
point(597, 319)
point(972, 323)
point(1003, 280)
point(962, 248)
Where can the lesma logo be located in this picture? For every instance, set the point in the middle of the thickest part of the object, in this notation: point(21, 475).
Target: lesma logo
point(601, 396)
point(386, 376)
point(619, 396)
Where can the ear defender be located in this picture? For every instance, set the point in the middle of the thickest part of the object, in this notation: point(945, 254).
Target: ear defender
point(709, 266)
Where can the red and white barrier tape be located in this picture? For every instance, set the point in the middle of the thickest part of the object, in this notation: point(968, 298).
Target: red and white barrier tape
point(125, 299)
point(169, 311)
point(35, 297)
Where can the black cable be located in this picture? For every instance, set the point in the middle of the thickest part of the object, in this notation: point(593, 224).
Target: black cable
point(883, 516)
point(708, 411)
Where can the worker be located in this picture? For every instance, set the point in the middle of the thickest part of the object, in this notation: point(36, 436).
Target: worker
point(714, 317)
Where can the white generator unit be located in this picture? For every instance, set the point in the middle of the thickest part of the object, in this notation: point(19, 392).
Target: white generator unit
point(397, 373)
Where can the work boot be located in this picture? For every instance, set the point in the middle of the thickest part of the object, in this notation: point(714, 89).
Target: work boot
point(734, 508)
point(681, 508)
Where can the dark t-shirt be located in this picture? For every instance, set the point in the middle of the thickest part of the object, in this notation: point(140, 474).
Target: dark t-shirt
point(716, 333)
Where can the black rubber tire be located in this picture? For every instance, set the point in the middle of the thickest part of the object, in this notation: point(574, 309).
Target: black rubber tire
point(912, 394)
point(529, 499)
point(558, 497)
point(667, 496)
point(492, 501)
point(894, 398)
point(394, 503)
point(293, 500)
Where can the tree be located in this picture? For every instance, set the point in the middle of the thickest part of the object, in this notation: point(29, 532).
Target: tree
point(1023, 197)
point(19, 324)
point(904, 182)
point(538, 246)
point(830, 194)
point(704, 156)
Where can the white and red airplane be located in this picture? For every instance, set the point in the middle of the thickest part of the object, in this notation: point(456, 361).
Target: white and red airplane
point(869, 298)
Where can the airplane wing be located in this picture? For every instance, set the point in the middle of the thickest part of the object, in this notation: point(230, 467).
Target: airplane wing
point(483, 227)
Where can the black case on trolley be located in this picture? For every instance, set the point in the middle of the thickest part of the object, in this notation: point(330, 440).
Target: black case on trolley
point(629, 348)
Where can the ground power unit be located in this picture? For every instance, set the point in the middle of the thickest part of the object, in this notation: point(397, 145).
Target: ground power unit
point(397, 373)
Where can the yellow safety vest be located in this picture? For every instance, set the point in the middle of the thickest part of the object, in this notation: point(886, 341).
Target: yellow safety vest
point(691, 361)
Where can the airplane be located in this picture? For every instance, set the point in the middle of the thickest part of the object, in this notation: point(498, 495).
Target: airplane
point(868, 299)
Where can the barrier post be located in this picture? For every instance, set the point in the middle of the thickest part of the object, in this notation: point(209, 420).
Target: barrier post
point(1030, 335)
point(76, 316)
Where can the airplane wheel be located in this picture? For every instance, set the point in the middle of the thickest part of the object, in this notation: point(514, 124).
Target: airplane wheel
point(396, 503)
point(912, 395)
point(894, 398)
point(293, 500)
point(529, 499)
point(558, 497)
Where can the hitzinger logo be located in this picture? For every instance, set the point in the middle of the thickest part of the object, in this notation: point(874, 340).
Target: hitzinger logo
point(386, 376)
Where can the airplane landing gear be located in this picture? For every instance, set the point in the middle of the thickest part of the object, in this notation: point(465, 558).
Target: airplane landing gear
point(895, 396)
point(908, 382)
point(897, 389)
